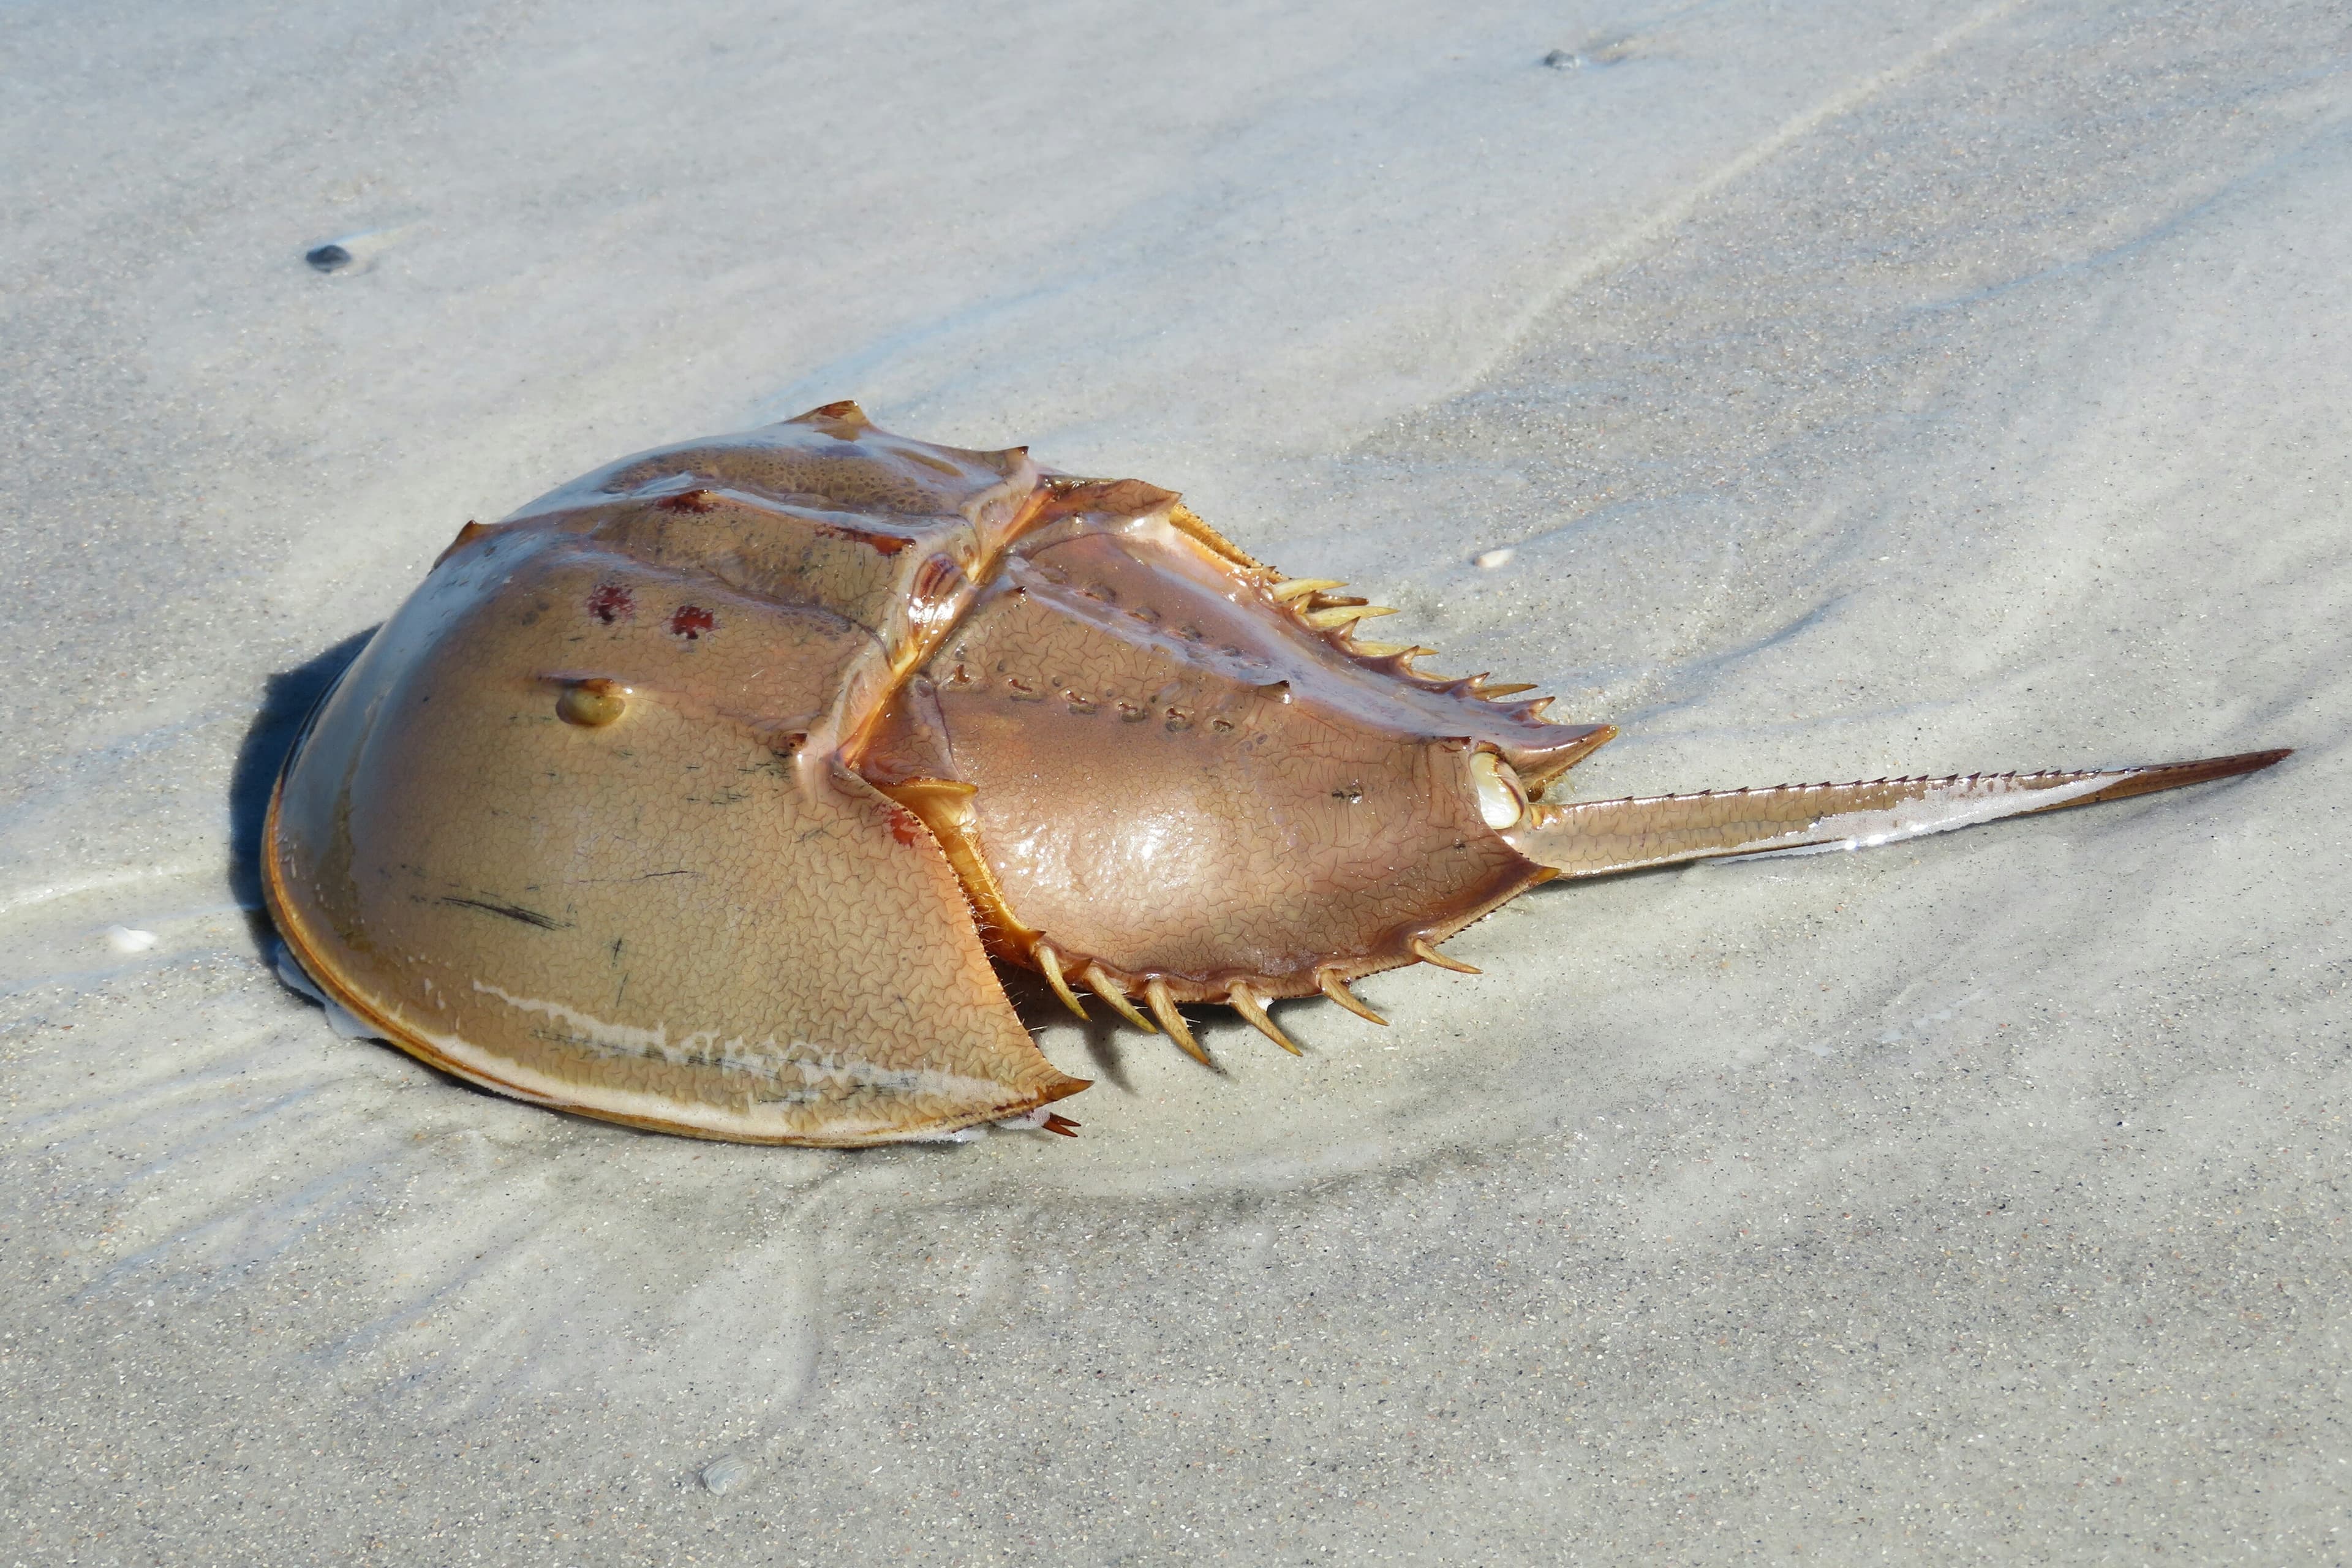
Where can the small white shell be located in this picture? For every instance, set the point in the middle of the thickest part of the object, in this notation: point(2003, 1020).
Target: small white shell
point(725, 1473)
point(122, 939)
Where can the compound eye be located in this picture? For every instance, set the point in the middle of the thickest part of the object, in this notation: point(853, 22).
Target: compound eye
point(1502, 799)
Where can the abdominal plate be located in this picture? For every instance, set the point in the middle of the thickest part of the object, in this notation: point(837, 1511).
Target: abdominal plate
point(1182, 779)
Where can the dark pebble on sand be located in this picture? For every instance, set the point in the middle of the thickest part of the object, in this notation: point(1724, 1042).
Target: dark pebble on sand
point(328, 258)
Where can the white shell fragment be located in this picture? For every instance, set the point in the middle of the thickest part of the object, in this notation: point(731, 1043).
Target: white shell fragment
point(725, 1473)
point(123, 939)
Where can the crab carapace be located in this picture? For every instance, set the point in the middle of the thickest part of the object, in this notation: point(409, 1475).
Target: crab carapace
point(699, 794)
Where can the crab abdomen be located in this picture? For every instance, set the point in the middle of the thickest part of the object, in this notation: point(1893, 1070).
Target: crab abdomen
point(1177, 775)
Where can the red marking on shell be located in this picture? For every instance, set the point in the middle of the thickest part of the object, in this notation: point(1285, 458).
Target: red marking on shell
point(610, 602)
point(691, 622)
point(878, 539)
point(689, 501)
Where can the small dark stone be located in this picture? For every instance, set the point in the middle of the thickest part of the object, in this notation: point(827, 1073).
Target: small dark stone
point(1562, 60)
point(328, 258)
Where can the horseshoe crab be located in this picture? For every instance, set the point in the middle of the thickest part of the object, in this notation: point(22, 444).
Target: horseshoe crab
point(699, 794)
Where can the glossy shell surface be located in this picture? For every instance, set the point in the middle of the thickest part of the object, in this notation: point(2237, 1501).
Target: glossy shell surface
point(701, 794)
point(604, 816)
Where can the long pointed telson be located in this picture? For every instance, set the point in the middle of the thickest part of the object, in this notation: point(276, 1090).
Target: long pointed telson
point(1597, 838)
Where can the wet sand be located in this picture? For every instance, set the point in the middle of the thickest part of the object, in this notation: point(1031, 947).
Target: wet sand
point(1858, 389)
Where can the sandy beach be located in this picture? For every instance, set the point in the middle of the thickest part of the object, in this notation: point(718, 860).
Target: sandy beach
point(1814, 391)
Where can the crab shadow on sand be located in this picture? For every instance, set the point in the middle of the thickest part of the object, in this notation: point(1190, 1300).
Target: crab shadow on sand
point(287, 701)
